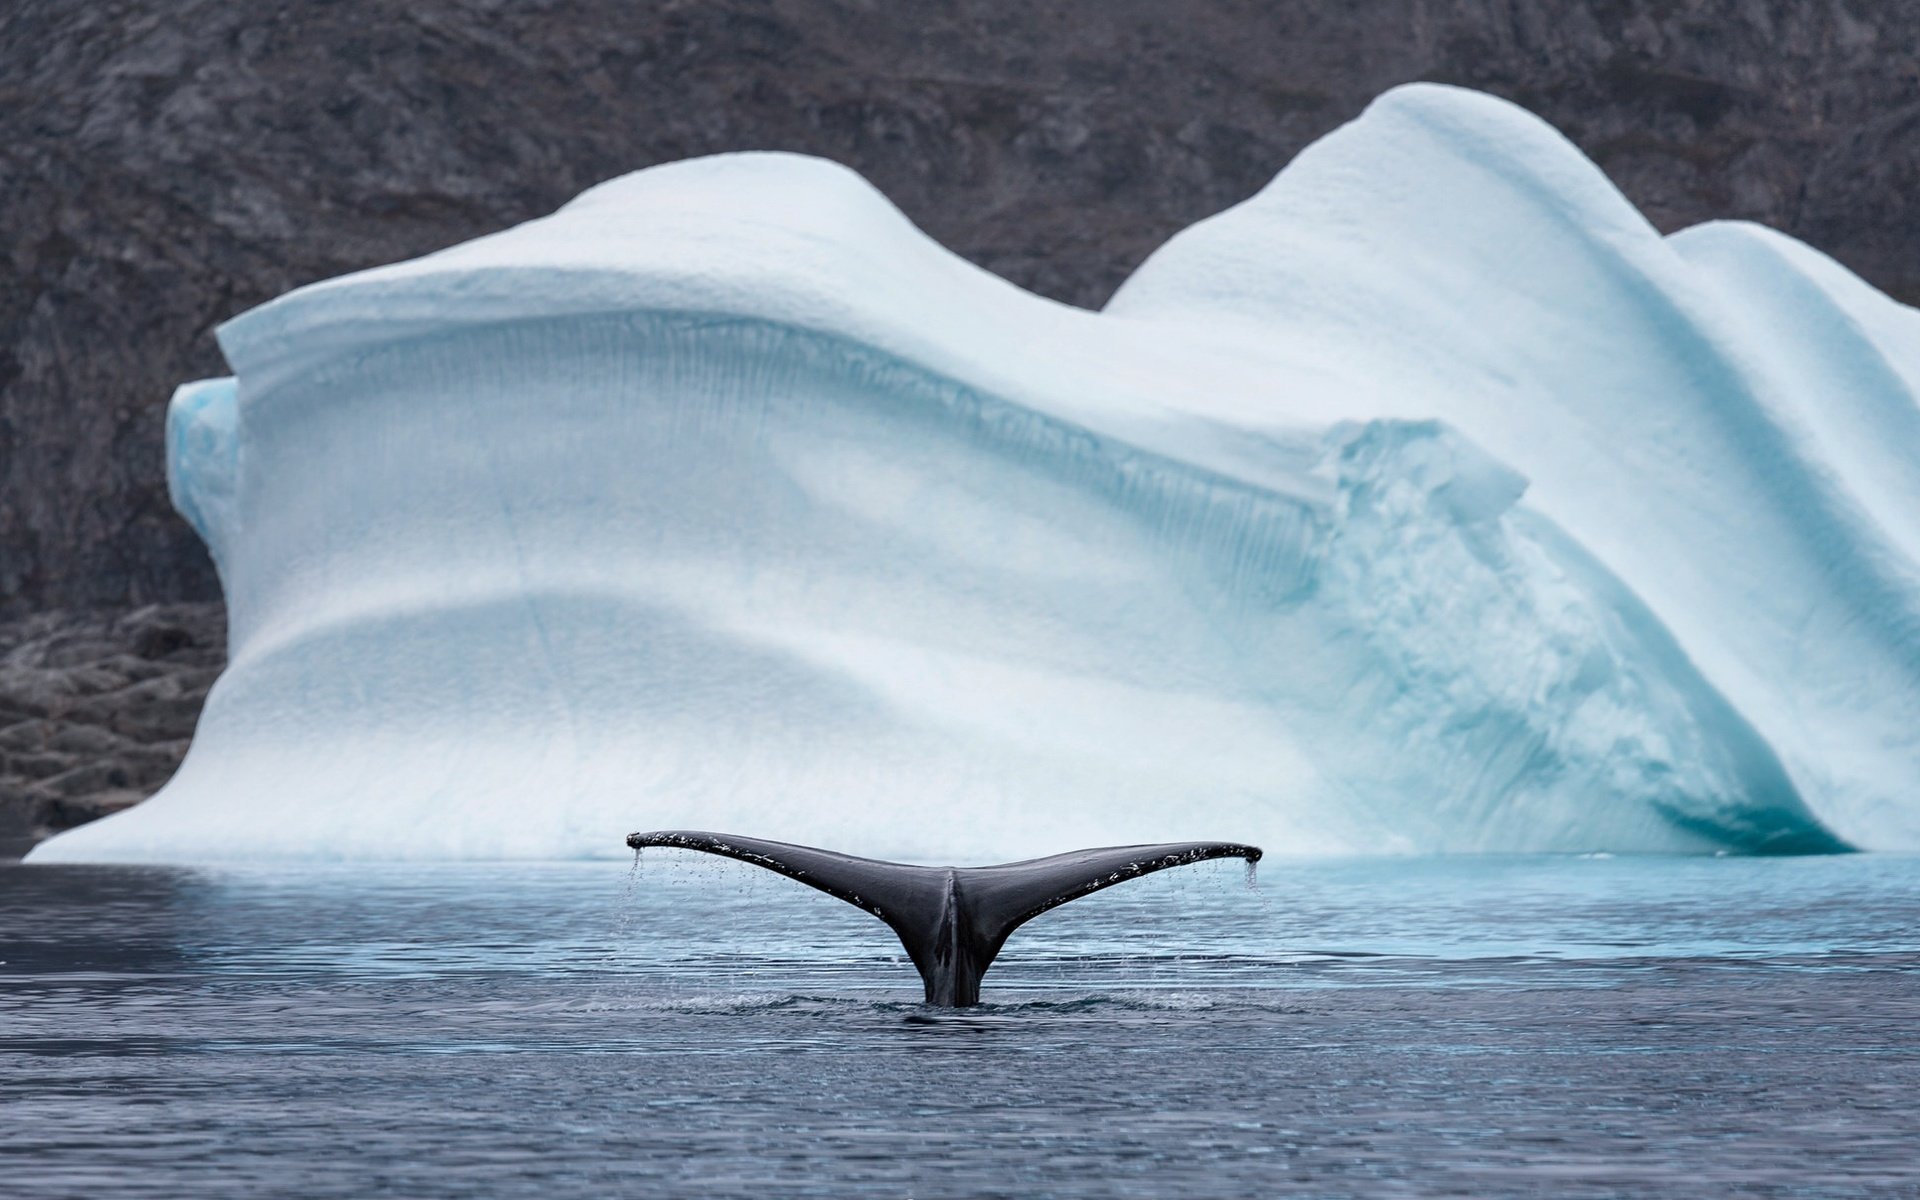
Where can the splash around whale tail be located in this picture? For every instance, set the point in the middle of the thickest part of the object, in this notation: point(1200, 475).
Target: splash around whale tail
point(952, 920)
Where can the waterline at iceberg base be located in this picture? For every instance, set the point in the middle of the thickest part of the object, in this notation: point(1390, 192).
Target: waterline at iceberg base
point(1430, 500)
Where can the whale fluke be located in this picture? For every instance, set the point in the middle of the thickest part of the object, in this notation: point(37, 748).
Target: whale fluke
point(952, 920)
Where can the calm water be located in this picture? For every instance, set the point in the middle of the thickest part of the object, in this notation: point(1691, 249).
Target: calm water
point(1561, 1027)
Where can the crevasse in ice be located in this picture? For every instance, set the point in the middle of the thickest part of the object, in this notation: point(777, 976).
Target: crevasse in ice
point(1430, 500)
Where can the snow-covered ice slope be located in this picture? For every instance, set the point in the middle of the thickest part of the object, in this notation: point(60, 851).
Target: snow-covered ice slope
point(1427, 501)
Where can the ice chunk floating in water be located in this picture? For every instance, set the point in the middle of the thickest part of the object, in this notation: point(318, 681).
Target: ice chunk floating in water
point(1428, 501)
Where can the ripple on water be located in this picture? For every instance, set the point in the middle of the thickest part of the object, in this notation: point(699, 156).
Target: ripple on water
point(1592, 1026)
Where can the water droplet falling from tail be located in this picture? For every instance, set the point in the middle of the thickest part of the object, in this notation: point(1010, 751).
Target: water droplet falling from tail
point(1253, 885)
point(623, 918)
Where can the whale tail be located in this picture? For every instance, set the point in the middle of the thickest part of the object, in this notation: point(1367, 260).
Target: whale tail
point(952, 920)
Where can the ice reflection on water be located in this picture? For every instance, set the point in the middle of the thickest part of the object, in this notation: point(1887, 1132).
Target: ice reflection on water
point(686, 1025)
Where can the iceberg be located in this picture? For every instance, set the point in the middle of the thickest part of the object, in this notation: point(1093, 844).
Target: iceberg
point(1428, 501)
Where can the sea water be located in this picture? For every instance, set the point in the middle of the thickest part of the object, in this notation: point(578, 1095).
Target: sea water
point(1489, 1027)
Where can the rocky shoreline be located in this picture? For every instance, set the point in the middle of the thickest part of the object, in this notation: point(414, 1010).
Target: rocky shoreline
point(97, 708)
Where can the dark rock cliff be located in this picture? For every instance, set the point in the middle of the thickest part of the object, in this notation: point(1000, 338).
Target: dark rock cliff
point(165, 164)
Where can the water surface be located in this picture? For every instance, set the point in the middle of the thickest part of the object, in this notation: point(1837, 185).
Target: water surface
point(1562, 1026)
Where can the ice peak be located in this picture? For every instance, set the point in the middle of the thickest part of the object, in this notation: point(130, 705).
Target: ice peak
point(1431, 193)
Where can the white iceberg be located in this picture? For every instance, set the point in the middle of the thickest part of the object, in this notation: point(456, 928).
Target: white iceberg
point(1429, 501)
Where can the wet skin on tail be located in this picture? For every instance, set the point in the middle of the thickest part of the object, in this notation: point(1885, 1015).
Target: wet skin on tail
point(952, 920)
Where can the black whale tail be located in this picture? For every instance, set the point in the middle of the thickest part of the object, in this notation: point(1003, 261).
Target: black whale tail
point(952, 920)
